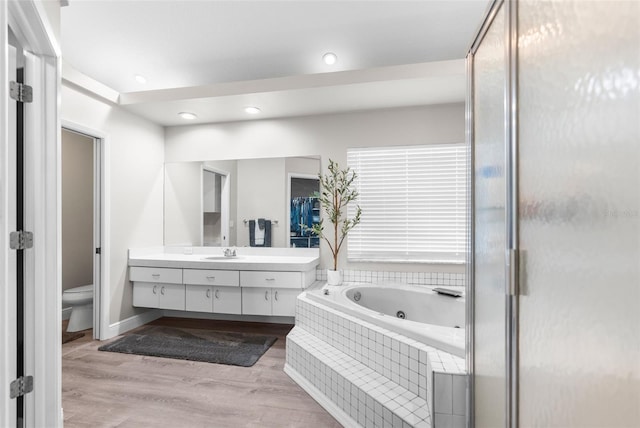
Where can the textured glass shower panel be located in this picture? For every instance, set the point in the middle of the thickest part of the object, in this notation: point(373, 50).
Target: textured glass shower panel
point(579, 97)
point(489, 209)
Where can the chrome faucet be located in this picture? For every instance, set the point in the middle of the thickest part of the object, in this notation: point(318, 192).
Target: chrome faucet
point(229, 252)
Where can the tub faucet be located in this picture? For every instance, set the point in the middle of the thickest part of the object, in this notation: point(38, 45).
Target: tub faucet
point(229, 252)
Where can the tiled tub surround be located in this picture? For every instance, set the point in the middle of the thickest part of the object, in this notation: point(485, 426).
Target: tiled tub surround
point(366, 375)
point(417, 278)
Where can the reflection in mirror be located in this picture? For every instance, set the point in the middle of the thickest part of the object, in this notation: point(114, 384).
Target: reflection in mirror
point(304, 210)
point(215, 207)
point(256, 188)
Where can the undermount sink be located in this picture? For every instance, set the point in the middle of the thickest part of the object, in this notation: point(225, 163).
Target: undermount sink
point(222, 258)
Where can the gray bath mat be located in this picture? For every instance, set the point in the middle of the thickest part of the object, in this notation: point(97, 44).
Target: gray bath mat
point(237, 349)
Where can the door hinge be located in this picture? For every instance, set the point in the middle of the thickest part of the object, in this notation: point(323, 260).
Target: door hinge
point(98, 250)
point(21, 386)
point(20, 240)
point(21, 92)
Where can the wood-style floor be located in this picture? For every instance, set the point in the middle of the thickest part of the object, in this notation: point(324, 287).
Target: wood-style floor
point(106, 389)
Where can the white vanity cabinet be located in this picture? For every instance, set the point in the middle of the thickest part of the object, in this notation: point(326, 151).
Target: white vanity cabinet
point(259, 281)
point(158, 288)
point(212, 291)
point(269, 301)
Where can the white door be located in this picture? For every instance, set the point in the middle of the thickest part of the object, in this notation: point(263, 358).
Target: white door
point(39, 316)
point(8, 304)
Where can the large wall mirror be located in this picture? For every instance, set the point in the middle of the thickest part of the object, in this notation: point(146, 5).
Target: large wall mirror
point(216, 202)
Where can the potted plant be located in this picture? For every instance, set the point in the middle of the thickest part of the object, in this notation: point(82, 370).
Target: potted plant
point(334, 196)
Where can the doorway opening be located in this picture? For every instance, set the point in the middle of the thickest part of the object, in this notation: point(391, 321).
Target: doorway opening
point(215, 208)
point(81, 223)
point(303, 210)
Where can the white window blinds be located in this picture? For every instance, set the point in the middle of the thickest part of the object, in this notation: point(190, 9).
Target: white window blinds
point(413, 202)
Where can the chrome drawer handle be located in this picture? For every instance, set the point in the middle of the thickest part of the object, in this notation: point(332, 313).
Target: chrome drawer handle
point(217, 294)
point(211, 278)
point(208, 293)
point(270, 279)
point(155, 275)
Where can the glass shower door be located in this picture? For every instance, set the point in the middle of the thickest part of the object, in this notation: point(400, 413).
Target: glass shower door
point(579, 173)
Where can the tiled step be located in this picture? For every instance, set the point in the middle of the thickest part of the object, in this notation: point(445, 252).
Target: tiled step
point(368, 398)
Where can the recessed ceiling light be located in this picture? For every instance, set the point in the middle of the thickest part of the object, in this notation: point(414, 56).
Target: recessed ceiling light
point(140, 79)
point(187, 115)
point(252, 110)
point(330, 58)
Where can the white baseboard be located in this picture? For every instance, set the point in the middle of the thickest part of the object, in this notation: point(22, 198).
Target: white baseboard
point(331, 407)
point(130, 323)
point(66, 313)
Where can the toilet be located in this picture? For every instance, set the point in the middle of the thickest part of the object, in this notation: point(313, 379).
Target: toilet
point(81, 301)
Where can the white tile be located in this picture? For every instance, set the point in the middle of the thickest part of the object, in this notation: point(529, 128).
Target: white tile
point(422, 412)
point(397, 422)
point(442, 393)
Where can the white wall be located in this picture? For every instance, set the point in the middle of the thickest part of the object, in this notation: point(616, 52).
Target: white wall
point(328, 136)
point(135, 187)
point(183, 203)
point(77, 210)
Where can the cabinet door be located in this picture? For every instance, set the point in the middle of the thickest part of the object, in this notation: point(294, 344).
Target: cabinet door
point(172, 296)
point(256, 301)
point(146, 294)
point(198, 298)
point(227, 300)
point(284, 301)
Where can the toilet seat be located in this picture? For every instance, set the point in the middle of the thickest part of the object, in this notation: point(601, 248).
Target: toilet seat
point(78, 295)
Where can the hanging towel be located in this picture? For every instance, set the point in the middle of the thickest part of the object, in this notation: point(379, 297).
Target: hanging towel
point(259, 232)
point(254, 227)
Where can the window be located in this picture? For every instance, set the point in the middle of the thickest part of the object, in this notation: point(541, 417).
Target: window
point(413, 202)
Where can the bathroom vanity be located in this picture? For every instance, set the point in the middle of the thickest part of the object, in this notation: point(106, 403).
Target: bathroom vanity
point(258, 281)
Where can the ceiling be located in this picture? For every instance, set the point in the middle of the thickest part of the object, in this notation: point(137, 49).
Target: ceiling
point(214, 58)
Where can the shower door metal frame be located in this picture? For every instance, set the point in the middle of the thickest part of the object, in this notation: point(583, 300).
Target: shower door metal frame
point(512, 256)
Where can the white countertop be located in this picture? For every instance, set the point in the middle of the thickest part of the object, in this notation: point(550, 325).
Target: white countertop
point(260, 259)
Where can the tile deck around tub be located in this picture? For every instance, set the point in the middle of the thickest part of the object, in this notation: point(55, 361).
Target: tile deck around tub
point(377, 358)
point(366, 396)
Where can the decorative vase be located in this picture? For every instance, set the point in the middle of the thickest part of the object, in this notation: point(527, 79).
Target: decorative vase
point(334, 277)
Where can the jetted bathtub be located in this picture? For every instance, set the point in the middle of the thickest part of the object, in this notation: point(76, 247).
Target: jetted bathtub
point(416, 312)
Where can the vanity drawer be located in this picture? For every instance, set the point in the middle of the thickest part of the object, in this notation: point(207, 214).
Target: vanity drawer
point(271, 279)
point(156, 275)
point(229, 278)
